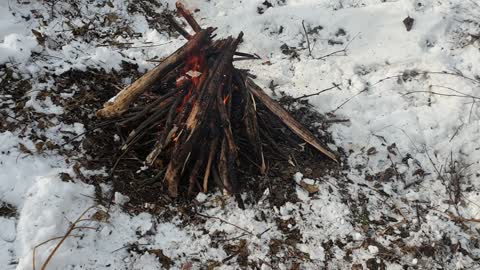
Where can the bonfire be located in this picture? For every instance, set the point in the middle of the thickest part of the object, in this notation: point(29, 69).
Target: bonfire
point(205, 117)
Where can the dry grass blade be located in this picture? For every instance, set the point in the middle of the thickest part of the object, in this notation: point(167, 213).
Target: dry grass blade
point(72, 227)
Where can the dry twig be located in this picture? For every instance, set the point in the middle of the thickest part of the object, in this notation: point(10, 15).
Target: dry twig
point(72, 227)
point(308, 40)
point(344, 50)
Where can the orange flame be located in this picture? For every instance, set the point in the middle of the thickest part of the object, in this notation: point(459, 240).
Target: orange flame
point(196, 63)
point(225, 100)
point(195, 69)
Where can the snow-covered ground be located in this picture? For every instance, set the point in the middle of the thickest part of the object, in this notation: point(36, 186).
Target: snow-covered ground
point(409, 200)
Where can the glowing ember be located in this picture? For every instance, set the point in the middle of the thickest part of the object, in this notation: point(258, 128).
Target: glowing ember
point(195, 69)
point(225, 100)
point(181, 81)
point(195, 66)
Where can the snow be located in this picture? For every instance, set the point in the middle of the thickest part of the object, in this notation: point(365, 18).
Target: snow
point(57, 199)
point(373, 249)
point(386, 78)
point(20, 171)
point(16, 48)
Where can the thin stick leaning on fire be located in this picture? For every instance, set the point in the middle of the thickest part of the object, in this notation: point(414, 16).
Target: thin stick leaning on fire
point(287, 119)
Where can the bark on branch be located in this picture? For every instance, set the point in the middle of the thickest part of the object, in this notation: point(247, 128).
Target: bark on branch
point(129, 94)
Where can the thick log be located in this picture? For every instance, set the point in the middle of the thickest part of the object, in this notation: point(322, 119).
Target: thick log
point(287, 119)
point(128, 95)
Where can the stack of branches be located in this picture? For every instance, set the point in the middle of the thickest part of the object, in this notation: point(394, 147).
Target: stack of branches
point(201, 118)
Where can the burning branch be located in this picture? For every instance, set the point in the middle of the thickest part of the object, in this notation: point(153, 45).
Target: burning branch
point(128, 95)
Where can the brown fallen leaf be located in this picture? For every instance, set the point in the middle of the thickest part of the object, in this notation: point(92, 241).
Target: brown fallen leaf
point(213, 265)
point(65, 177)
point(391, 149)
point(39, 146)
point(372, 151)
point(164, 260)
point(357, 267)
point(51, 145)
point(311, 189)
point(408, 22)
point(76, 169)
point(39, 36)
point(101, 216)
point(24, 149)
